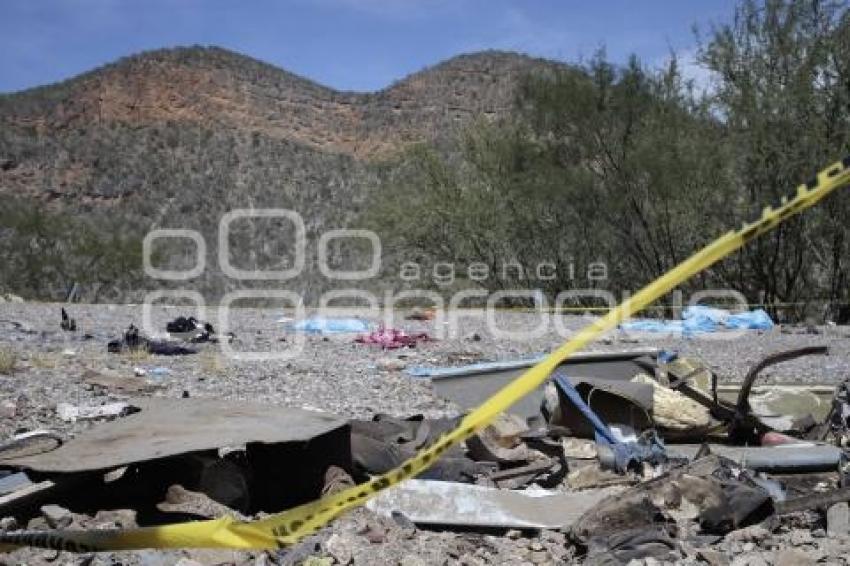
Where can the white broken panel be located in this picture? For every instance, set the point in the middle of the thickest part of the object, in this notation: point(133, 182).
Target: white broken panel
point(71, 413)
point(448, 503)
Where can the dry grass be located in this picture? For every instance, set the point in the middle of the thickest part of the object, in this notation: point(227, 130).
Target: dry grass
point(138, 355)
point(212, 362)
point(42, 360)
point(8, 360)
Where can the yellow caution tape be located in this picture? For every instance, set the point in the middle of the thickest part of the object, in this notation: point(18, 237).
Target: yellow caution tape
point(290, 526)
point(664, 308)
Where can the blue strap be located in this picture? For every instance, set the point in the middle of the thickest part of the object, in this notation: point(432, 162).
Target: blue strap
point(626, 455)
point(603, 433)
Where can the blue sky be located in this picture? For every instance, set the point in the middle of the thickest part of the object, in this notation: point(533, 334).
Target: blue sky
point(346, 44)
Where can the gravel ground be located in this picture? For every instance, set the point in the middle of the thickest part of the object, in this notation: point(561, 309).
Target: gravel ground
point(354, 380)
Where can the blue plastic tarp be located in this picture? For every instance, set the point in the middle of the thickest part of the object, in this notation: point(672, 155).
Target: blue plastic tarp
point(323, 325)
point(700, 318)
point(753, 320)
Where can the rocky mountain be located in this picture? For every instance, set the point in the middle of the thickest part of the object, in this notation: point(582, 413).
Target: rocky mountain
point(177, 137)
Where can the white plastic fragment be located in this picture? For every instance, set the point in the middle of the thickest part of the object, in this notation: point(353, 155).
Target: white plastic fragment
point(71, 413)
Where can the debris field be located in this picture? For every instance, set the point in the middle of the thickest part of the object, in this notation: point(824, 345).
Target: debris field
point(648, 448)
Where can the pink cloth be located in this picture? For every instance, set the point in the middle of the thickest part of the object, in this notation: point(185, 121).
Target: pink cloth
point(392, 338)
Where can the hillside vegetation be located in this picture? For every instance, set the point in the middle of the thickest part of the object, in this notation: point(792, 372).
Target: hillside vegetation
point(176, 138)
point(637, 168)
point(489, 158)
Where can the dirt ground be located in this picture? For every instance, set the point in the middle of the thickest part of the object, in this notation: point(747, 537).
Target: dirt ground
point(41, 366)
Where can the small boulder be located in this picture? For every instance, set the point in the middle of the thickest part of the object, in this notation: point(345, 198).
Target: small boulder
point(57, 517)
point(391, 364)
point(341, 547)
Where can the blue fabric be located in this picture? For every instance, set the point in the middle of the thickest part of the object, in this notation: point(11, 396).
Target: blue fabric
point(702, 319)
point(322, 325)
point(699, 318)
point(627, 455)
point(753, 320)
point(666, 356)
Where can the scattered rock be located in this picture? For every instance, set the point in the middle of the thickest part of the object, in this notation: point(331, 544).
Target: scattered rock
point(412, 560)
point(118, 383)
point(753, 533)
point(116, 518)
point(57, 517)
point(500, 441)
point(800, 537)
point(298, 553)
point(712, 557)
point(341, 547)
point(374, 533)
point(792, 557)
point(592, 476)
point(336, 480)
point(749, 559)
point(555, 537)
point(180, 500)
point(391, 364)
point(37, 524)
point(838, 519)
point(321, 378)
point(471, 560)
point(578, 448)
point(214, 556)
point(407, 527)
point(507, 429)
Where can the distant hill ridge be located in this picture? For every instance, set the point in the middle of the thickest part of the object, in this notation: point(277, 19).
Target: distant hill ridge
point(215, 87)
